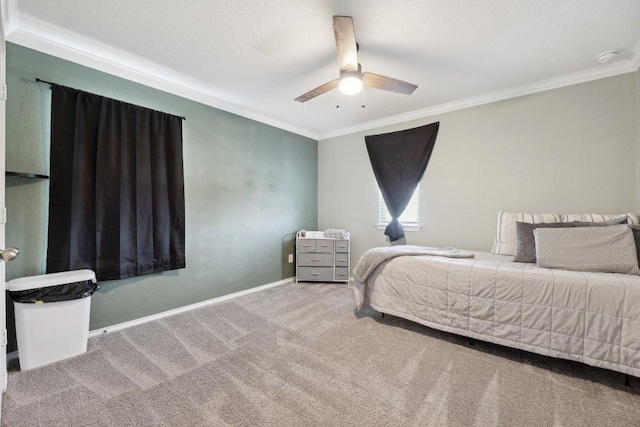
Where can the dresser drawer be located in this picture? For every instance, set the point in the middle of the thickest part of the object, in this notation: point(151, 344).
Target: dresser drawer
point(306, 245)
point(342, 245)
point(342, 260)
point(342, 273)
point(324, 245)
point(315, 259)
point(320, 274)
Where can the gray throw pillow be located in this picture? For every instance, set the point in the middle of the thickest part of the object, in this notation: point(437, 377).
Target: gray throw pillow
point(597, 249)
point(636, 238)
point(615, 221)
point(525, 242)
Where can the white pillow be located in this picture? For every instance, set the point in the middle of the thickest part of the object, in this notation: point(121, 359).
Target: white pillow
point(505, 240)
point(631, 217)
point(600, 249)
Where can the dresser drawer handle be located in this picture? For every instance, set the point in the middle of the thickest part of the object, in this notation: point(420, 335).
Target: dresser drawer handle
point(315, 259)
point(324, 246)
point(342, 246)
point(342, 274)
point(306, 246)
point(342, 260)
point(315, 274)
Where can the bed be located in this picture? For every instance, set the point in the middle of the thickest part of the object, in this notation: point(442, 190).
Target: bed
point(593, 318)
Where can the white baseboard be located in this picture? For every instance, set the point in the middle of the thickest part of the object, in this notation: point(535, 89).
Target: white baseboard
point(178, 310)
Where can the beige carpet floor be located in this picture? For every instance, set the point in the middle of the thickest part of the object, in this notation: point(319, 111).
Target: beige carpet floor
point(298, 355)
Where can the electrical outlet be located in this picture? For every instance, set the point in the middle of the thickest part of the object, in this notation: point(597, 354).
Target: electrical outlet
point(290, 258)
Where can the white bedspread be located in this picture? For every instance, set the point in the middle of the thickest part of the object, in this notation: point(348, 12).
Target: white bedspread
point(593, 318)
point(376, 256)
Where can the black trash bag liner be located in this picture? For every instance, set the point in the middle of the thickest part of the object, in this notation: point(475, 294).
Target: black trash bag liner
point(64, 292)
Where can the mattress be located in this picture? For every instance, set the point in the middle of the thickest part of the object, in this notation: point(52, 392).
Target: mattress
point(592, 318)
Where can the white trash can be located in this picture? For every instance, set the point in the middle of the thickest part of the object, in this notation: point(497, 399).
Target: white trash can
point(52, 315)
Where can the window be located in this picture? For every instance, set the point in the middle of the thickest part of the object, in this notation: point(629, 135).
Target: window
point(410, 218)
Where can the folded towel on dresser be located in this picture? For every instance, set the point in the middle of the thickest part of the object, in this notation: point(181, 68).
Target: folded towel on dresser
point(336, 233)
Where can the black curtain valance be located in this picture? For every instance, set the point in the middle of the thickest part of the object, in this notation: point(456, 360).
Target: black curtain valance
point(116, 198)
point(399, 160)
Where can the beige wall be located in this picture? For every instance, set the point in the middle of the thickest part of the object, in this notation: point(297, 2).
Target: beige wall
point(571, 149)
point(638, 139)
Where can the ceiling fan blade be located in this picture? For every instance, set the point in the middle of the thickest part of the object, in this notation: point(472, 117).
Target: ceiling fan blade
point(387, 83)
point(346, 43)
point(318, 91)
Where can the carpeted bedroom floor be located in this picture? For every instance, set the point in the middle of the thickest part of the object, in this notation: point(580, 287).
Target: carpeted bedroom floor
point(298, 355)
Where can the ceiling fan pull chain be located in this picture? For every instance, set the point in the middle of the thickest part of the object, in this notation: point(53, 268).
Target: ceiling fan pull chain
point(338, 105)
point(363, 97)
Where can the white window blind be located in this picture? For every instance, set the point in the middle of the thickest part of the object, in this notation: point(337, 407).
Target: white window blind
point(410, 216)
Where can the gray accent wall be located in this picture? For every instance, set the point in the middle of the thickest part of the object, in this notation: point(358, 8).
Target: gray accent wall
point(249, 187)
point(569, 150)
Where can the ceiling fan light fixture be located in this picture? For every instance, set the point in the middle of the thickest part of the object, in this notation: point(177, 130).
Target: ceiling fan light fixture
point(350, 82)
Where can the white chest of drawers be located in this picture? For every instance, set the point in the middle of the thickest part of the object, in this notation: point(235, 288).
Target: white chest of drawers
point(321, 259)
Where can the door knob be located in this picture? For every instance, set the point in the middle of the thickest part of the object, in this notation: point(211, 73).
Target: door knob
point(9, 254)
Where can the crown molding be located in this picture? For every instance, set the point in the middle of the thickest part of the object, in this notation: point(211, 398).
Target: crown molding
point(39, 35)
point(50, 39)
point(617, 68)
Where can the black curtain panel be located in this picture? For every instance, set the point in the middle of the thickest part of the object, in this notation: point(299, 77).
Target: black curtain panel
point(116, 198)
point(399, 160)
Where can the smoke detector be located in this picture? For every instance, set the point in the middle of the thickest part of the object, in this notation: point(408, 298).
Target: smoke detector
point(606, 56)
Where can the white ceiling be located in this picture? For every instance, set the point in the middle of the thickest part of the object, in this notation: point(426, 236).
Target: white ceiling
point(253, 57)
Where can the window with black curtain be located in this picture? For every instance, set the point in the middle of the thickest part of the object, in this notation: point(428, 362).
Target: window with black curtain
point(116, 198)
point(399, 160)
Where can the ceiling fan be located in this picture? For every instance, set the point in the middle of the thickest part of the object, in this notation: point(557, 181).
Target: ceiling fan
point(352, 78)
